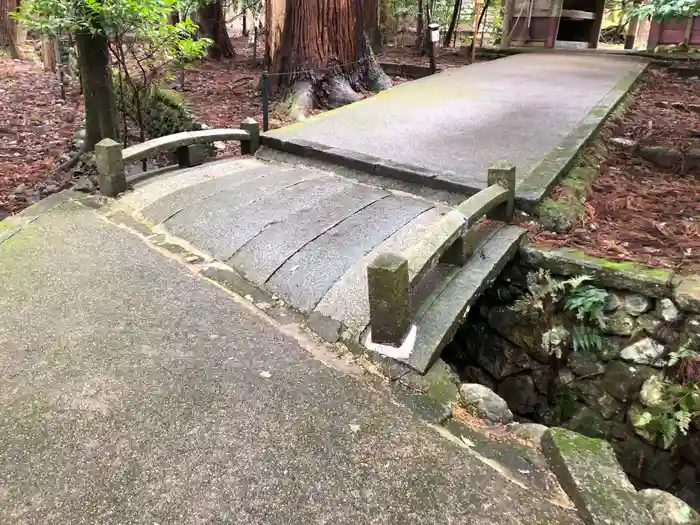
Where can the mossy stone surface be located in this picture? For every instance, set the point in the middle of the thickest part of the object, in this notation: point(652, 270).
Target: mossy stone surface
point(589, 473)
point(653, 282)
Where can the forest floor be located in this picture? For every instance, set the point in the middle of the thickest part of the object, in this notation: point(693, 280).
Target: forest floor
point(37, 125)
point(638, 211)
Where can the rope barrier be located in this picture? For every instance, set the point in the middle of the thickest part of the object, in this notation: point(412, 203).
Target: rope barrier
point(328, 68)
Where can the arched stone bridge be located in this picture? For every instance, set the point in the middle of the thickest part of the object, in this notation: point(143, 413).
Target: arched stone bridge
point(304, 225)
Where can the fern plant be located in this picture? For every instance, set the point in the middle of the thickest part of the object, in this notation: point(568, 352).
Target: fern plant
point(586, 302)
point(675, 405)
point(587, 339)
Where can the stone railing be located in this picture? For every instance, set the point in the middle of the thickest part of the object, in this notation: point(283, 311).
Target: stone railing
point(189, 146)
point(392, 276)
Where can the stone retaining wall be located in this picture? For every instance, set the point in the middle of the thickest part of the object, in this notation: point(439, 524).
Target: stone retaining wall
point(516, 353)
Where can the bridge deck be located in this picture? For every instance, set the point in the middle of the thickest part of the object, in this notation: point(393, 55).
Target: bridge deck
point(304, 235)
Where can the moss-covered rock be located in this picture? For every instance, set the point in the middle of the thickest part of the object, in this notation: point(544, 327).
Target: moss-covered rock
point(687, 294)
point(590, 423)
point(623, 381)
point(653, 282)
point(562, 213)
point(440, 382)
point(588, 471)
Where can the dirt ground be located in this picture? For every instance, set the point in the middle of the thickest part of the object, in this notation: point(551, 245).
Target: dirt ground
point(637, 211)
point(36, 128)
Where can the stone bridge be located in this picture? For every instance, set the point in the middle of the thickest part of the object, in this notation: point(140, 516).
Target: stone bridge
point(304, 220)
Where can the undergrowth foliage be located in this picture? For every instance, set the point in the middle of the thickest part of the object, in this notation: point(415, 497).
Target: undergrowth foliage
point(143, 45)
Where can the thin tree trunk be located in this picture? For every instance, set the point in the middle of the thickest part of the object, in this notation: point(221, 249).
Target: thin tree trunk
point(420, 28)
point(213, 25)
point(452, 29)
point(472, 51)
point(321, 50)
point(48, 54)
point(100, 112)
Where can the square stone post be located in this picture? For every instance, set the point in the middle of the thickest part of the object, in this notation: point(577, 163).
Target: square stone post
point(503, 173)
point(462, 249)
point(110, 167)
point(249, 147)
point(389, 299)
point(192, 155)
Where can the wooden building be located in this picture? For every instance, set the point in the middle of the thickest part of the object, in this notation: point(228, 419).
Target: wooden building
point(573, 24)
point(675, 31)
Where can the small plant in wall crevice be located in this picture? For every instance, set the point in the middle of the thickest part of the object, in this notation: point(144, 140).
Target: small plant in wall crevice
point(584, 301)
point(672, 400)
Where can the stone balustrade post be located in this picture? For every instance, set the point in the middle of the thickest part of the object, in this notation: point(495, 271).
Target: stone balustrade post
point(249, 147)
point(389, 299)
point(110, 167)
point(503, 173)
point(192, 155)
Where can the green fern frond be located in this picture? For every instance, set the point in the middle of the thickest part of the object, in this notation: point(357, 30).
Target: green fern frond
point(586, 339)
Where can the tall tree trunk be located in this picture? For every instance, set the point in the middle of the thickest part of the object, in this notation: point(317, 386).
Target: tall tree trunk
point(452, 29)
point(212, 22)
point(420, 27)
point(174, 18)
point(8, 27)
point(320, 49)
point(387, 21)
point(100, 112)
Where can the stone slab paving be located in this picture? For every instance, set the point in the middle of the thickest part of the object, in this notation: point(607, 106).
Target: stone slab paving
point(346, 300)
point(151, 190)
point(452, 126)
point(278, 242)
point(169, 205)
point(294, 231)
point(134, 391)
point(224, 222)
point(306, 277)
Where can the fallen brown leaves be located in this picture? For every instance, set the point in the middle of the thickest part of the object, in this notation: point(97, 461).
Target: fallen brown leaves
point(637, 211)
point(36, 128)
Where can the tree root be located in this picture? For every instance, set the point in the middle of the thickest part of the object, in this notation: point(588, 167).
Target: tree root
point(70, 163)
point(331, 90)
point(336, 91)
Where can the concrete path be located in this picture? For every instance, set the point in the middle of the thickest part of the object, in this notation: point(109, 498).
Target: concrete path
point(135, 391)
point(447, 129)
point(301, 234)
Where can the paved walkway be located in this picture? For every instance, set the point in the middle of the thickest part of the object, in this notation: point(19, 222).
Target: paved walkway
point(135, 391)
point(454, 125)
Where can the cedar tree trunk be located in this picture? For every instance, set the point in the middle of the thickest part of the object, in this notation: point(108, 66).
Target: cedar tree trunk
point(212, 22)
point(100, 112)
point(320, 50)
point(8, 27)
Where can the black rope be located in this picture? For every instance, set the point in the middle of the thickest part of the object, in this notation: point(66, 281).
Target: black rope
point(329, 68)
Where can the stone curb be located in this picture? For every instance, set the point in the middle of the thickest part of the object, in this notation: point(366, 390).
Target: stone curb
point(540, 181)
point(628, 276)
point(371, 165)
point(406, 70)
